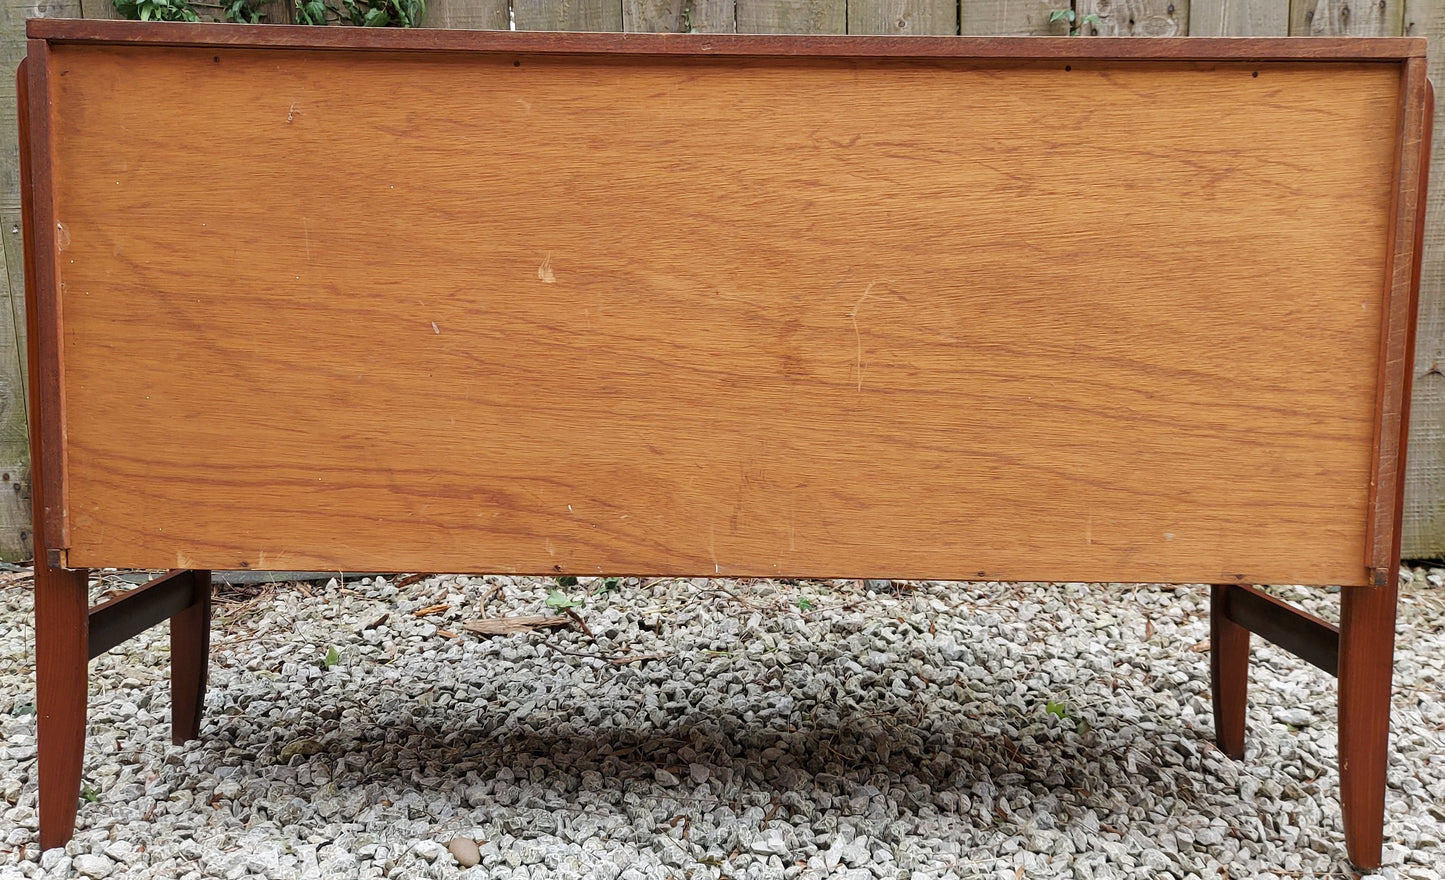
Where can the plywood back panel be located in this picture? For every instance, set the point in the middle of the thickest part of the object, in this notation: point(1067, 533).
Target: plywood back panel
point(748, 316)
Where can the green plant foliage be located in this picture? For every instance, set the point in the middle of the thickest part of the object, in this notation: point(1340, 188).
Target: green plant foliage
point(156, 10)
point(1059, 710)
point(363, 13)
point(559, 600)
point(241, 12)
point(1075, 24)
point(310, 12)
point(333, 657)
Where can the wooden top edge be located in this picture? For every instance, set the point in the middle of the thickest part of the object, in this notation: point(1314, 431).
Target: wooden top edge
point(1019, 48)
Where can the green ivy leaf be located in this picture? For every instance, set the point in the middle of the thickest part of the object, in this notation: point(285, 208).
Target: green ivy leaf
point(333, 657)
point(1059, 710)
point(558, 600)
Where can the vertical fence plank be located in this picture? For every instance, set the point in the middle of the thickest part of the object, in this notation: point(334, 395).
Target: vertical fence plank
point(1134, 18)
point(679, 16)
point(902, 17)
point(1015, 18)
point(1346, 18)
point(1424, 523)
point(567, 15)
point(98, 9)
point(485, 15)
point(14, 255)
point(792, 17)
point(1238, 18)
point(14, 437)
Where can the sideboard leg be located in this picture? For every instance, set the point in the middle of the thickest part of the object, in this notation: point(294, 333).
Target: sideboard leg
point(190, 656)
point(1367, 648)
point(62, 665)
point(1228, 673)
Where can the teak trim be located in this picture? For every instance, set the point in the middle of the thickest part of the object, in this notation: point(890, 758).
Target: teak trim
point(1012, 48)
point(1302, 634)
point(1397, 338)
point(48, 373)
point(135, 611)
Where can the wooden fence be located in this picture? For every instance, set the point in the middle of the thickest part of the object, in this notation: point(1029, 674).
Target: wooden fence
point(1425, 498)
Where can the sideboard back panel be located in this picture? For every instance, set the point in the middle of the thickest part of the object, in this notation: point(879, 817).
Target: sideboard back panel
point(746, 316)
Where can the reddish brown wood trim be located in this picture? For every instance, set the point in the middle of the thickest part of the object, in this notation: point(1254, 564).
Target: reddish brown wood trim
point(1304, 635)
point(1228, 673)
point(136, 611)
point(1141, 48)
point(1397, 331)
point(47, 371)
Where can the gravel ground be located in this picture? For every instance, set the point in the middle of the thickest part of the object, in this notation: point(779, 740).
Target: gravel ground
point(713, 729)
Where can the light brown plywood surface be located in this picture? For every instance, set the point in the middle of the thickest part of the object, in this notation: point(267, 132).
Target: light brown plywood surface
point(866, 317)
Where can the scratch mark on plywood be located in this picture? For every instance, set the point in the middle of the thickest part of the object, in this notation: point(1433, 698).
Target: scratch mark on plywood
point(291, 112)
point(306, 234)
point(544, 271)
point(857, 334)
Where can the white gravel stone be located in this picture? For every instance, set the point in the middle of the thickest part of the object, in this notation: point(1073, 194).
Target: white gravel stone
point(89, 865)
point(913, 730)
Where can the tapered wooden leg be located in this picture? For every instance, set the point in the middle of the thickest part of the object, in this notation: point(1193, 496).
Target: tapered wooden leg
point(1228, 673)
point(190, 655)
point(62, 664)
point(1367, 648)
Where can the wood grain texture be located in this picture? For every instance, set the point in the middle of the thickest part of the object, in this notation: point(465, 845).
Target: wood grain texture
point(15, 500)
point(42, 305)
point(1003, 48)
point(468, 14)
point(13, 242)
point(14, 438)
point(190, 659)
point(792, 17)
point(567, 15)
point(1024, 18)
point(1304, 635)
point(1367, 660)
point(1228, 673)
point(1134, 18)
point(679, 16)
point(101, 10)
point(1238, 18)
point(1397, 336)
point(1424, 513)
point(1346, 18)
point(62, 603)
point(813, 366)
point(903, 17)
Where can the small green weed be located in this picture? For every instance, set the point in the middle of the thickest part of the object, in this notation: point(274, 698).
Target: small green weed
point(1076, 24)
point(560, 601)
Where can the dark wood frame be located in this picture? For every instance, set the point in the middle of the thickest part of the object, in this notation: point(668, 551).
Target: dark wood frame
point(1360, 650)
